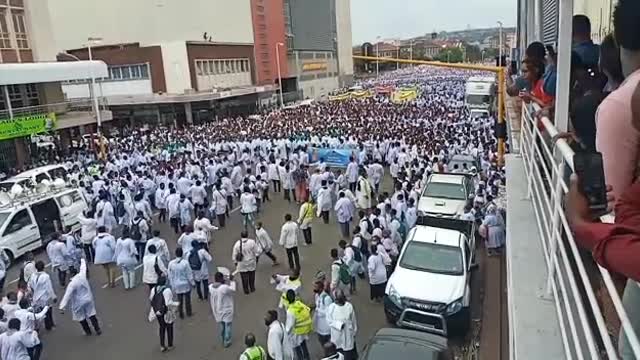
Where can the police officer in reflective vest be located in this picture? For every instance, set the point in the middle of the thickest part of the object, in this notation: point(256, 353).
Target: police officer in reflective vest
point(299, 325)
point(253, 351)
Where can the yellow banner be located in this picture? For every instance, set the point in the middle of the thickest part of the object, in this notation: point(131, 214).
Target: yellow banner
point(361, 94)
point(401, 96)
point(341, 97)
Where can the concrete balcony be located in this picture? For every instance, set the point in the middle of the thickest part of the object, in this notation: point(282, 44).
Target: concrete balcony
point(69, 114)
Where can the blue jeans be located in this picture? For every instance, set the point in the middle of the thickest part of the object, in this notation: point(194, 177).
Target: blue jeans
point(225, 333)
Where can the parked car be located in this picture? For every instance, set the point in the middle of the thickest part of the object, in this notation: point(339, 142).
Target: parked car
point(27, 222)
point(438, 255)
point(445, 195)
point(403, 344)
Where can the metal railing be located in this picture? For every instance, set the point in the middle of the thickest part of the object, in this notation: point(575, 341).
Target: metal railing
point(58, 108)
point(582, 325)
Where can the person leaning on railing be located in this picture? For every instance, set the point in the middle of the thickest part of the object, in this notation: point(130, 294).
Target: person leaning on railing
point(616, 246)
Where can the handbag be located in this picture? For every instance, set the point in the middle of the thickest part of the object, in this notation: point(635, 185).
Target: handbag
point(240, 255)
point(156, 267)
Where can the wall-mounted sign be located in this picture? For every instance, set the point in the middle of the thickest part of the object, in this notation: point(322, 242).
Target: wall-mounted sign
point(27, 125)
point(316, 66)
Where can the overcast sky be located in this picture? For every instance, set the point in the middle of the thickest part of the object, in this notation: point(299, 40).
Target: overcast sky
point(406, 18)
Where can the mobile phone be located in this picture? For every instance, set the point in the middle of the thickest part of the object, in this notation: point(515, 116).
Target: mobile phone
point(588, 167)
point(514, 67)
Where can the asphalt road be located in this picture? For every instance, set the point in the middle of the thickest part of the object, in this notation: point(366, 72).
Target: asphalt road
point(127, 334)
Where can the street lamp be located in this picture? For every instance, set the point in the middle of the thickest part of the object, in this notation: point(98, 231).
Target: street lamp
point(500, 44)
point(94, 97)
point(377, 56)
point(279, 72)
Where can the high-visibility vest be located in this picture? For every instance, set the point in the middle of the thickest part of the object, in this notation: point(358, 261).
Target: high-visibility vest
point(302, 313)
point(290, 284)
point(255, 353)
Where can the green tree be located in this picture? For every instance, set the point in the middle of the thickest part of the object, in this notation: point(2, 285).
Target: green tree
point(453, 55)
point(473, 53)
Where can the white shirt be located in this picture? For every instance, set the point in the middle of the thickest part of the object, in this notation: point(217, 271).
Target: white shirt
point(289, 235)
point(221, 301)
point(247, 203)
point(278, 346)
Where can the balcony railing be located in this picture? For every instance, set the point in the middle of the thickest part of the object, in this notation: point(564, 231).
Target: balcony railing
point(58, 108)
point(582, 325)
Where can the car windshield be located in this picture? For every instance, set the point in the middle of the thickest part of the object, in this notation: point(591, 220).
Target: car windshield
point(434, 258)
point(3, 218)
point(474, 99)
point(6, 185)
point(445, 190)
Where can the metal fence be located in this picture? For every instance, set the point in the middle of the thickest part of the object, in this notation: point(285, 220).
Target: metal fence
point(582, 325)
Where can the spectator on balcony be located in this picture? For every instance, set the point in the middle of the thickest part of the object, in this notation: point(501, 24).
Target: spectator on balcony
point(534, 51)
point(616, 137)
point(532, 70)
point(614, 246)
point(610, 64)
point(582, 43)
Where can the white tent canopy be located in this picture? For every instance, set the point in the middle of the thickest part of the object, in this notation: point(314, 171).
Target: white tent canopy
point(41, 72)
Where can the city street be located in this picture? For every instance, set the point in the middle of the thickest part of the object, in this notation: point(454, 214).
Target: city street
point(128, 334)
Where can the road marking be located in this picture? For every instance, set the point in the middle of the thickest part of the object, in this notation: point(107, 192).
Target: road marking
point(140, 265)
point(16, 280)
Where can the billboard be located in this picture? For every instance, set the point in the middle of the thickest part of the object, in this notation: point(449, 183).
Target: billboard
point(27, 125)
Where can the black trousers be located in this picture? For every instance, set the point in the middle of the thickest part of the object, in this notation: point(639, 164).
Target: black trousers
point(287, 194)
point(34, 352)
point(140, 246)
point(302, 352)
point(202, 288)
point(89, 252)
point(248, 281)
point(62, 277)
point(352, 187)
point(269, 255)
point(294, 258)
point(162, 217)
point(185, 302)
point(229, 203)
point(94, 322)
point(48, 319)
point(222, 220)
point(323, 339)
point(175, 224)
point(165, 331)
point(307, 235)
point(325, 216)
point(276, 185)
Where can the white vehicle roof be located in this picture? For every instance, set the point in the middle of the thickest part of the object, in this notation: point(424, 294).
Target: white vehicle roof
point(434, 235)
point(8, 205)
point(490, 79)
point(446, 178)
point(36, 171)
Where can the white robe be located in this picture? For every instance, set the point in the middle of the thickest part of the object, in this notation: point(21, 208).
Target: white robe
point(342, 320)
point(80, 295)
point(363, 195)
point(278, 343)
point(221, 301)
point(14, 344)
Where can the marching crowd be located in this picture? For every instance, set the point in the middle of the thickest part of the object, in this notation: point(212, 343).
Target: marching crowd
point(193, 177)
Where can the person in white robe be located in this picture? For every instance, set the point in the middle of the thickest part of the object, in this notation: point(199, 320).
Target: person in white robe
point(221, 296)
point(265, 244)
point(42, 293)
point(201, 275)
point(80, 296)
point(324, 202)
point(58, 256)
point(219, 204)
point(185, 208)
point(344, 213)
point(203, 226)
point(105, 215)
point(342, 319)
point(364, 193)
point(105, 246)
point(181, 281)
point(125, 255)
point(278, 342)
point(88, 232)
point(322, 301)
point(165, 318)
point(14, 342)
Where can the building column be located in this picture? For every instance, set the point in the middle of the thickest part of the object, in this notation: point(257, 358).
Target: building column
point(188, 113)
point(21, 152)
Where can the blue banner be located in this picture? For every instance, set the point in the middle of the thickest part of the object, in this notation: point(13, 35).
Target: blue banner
point(332, 157)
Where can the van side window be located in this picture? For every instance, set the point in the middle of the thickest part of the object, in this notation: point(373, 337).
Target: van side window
point(58, 173)
point(69, 199)
point(19, 221)
point(40, 177)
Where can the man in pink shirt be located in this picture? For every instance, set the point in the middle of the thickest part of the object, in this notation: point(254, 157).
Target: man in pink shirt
point(617, 137)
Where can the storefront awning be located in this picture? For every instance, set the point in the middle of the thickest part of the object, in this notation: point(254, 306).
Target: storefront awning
point(42, 72)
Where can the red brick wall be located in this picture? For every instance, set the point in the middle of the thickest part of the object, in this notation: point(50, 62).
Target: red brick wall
point(268, 30)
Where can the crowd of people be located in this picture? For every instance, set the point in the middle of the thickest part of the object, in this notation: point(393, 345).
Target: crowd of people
point(195, 176)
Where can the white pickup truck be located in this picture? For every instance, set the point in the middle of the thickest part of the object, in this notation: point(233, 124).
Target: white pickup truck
point(429, 289)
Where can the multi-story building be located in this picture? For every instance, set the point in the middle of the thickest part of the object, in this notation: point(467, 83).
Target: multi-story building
point(319, 45)
point(270, 40)
point(31, 99)
point(169, 61)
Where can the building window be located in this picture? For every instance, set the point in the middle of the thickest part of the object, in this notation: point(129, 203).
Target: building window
point(5, 39)
point(20, 28)
point(260, 8)
point(15, 96)
point(33, 98)
point(128, 72)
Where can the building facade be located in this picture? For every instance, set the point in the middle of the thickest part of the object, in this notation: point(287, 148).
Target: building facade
point(30, 91)
point(269, 40)
point(193, 59)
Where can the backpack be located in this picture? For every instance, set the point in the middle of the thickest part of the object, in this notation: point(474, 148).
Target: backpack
point(135, 231)
point(357, 254)
point(194, 260)
point(344, 274)
point(157, 302)
point(120, 209)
